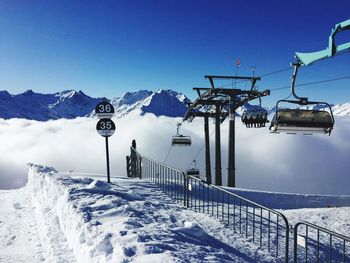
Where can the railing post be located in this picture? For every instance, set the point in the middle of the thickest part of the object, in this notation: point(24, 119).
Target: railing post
point(186, 194)
point(140, 166)
point(128, 166)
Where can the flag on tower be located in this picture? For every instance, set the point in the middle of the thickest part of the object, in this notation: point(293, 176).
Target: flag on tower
point(238, 62)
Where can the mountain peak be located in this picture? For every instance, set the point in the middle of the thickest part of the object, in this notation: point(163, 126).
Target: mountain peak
point(160, 102)
point(42, 107)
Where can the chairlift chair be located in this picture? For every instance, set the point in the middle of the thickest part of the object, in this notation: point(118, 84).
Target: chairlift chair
point(310, 121)
point(301, 120)
point(180, 140)
point(193, 171)
point(255, 117)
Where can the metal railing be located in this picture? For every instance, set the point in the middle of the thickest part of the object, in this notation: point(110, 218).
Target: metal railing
point(267, 228)
point(313, 243)
point(170, 180)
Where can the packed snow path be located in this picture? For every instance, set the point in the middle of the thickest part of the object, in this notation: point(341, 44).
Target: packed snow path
point(60, 218)
point(21, 237)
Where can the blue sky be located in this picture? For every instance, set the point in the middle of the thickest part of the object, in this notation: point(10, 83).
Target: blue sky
point(106, 48)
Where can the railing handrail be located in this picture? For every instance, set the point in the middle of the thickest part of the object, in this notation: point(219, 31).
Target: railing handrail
point(277, 213)
point(186, 180)
point(319, 229)
point(247, 200)
point(330, 232)
point(160, 163)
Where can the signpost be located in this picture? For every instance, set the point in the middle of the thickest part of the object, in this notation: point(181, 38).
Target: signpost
point(105, 126)
point(104, 110)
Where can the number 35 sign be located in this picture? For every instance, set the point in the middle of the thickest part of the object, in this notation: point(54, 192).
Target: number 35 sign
point(105, 127)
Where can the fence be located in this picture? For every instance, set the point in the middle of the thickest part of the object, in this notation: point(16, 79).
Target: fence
point(170, 180)
point(316, 244)
point(267, 228)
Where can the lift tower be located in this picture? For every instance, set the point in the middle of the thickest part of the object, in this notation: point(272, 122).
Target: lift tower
point(222, 102)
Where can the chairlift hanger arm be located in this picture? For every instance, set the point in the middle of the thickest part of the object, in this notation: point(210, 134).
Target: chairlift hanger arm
point(331, 50)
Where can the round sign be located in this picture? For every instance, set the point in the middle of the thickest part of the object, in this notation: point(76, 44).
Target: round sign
point(104, 110)
point(105, 127)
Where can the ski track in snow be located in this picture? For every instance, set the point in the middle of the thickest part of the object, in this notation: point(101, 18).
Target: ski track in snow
point(19, 236)
point(30, 233)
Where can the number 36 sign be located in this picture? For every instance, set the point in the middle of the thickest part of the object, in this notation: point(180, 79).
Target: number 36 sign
point(104, 110)
point(105, 127)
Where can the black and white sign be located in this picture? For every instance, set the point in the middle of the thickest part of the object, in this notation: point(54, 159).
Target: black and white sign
point(105, 127)
point(104, 110)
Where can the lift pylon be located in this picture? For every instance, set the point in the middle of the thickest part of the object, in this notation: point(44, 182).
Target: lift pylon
point(221, 103)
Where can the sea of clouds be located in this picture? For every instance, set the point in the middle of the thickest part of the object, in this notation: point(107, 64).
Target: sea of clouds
point(276, 162)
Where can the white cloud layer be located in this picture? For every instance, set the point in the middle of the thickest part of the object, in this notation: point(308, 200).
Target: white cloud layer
point(288, 163)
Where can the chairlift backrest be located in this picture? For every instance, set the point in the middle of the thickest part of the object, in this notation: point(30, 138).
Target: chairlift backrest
point(302, 121)
point(254, 118)
point(180, 140)
point(193, 172)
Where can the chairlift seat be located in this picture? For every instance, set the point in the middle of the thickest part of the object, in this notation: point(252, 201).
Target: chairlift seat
point(254, 118)
point(302, 120)
point(193, 172)
point(181, 140)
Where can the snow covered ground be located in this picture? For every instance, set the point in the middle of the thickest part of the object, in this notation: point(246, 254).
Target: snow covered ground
point(67, 217)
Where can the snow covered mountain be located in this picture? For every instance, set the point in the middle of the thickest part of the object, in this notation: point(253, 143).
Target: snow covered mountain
point(161, 102)
point(67, 104)
point(70, 104)
point(341, 109)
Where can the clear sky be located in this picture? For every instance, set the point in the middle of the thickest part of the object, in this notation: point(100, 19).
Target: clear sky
point(106, 48)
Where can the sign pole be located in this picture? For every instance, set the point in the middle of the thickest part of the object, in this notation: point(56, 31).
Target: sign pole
point(105, 126)
point(107, 158)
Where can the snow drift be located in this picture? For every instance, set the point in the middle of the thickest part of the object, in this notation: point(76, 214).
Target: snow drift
point(87, 220)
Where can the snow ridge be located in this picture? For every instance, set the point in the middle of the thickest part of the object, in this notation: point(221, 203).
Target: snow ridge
point(66, 104)
point(88, 220)
point(70, 104)
point(160, 103)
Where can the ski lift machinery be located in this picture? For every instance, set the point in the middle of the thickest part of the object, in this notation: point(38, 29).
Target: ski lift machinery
point(179, 139)
point(309, 121)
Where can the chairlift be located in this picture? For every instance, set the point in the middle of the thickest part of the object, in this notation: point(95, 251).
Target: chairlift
point(179, 139)
point(255, 117)
point(300, 120)
point(193, 171)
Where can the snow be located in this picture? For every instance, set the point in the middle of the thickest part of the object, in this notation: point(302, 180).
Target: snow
point(341, 109)
point(291, 201)
point(71, 217)
point(160, 103)
point(19, 232)
point(42, 107)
